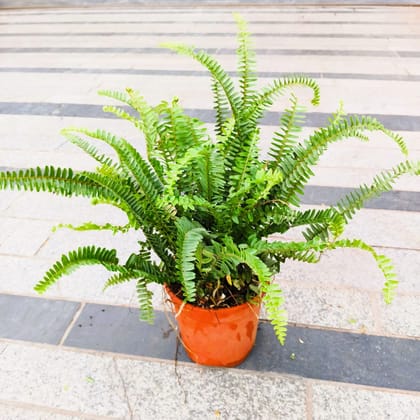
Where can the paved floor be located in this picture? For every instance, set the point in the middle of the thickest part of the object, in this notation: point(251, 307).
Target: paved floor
point(52, 62)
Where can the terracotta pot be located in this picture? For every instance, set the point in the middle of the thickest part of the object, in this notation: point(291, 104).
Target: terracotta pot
point(216, 337)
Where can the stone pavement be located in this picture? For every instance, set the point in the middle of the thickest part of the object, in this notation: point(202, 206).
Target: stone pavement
point(78, 353)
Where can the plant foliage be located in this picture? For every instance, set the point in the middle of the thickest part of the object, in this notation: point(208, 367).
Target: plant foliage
point(207, 207)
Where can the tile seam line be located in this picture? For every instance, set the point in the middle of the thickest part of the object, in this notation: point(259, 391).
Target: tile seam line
point(72, 323)
point(364, 387)
point(170, 362)
point(309, 400)
point(53, 410)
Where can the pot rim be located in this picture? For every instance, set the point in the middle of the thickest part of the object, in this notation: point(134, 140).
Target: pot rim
point(176, 300)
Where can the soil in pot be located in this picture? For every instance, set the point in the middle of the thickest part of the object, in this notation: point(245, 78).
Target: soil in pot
point(216, 337)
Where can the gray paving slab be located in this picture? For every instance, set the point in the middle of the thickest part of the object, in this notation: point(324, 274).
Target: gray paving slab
point(35, 319)
point(392, 200)
point(332, 401)
point(117, 329)
point(54, 378)
point(309, 352)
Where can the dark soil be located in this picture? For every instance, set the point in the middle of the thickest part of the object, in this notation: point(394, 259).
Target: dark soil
point(226, 296)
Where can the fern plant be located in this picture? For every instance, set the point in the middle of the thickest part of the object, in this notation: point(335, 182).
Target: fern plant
point(207, 207)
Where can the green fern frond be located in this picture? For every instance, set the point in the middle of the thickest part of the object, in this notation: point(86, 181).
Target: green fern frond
point(61, 181)
point(384, 264)
point(118, 96)
point(149, 121)
point(338, 115)
point(220, 106)
point(189, 237)
point(245, 160)
point(268, 94)
point(123, 114)
point(271, 293)
point(124, 273)
point(88, 255)
point(93, 226)
point(383, 182)
point(296, 167)
point(210, 174)
point(353, 201)
point(216, 71)
point(274, 302)
point(246, 63)
point(144, 297)
point(89, 149)
point(286, 138)
point(299, 251)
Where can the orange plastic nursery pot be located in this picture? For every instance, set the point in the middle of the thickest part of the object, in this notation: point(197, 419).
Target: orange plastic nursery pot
point(216, 337)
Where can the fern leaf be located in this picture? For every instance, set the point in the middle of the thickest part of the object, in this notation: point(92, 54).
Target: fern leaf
point(216, 71)
point(296, 166)
point(384, 264)
point(88, 255)
point(354, 201)
point(246, 63)
point(89, 149)
point(268, 94)
point(61, 181)
point(272, 294)
point(220, 106)
point(132, 161)
point(119, 96)
point(123, 114)
point(350, 203)
point(144, 297)
point(286, 138)
point(189, 237)
point(211, 175)
point(93, 226)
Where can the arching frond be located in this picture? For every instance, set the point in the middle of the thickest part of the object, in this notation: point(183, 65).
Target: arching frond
point(88, 255)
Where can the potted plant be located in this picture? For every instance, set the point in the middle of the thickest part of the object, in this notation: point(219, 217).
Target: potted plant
point(207, 207)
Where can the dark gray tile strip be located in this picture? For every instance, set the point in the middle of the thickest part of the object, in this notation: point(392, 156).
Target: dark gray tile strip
point(313, 119)
point(319, 354)
point(215, 51)
point(213, 34)
point(197, 73)
point(392, 200)
point(35, 319)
